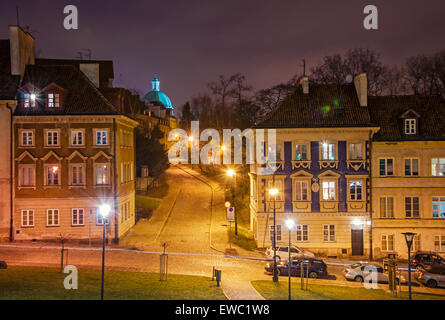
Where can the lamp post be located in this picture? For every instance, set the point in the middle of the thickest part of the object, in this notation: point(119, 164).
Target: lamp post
point(290, 226)
point(232, 174)
point(104, 210)
point(273, 192)
point(409, 237)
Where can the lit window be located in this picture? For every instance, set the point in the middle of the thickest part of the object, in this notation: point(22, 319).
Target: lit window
point(355, 190)
point(355, 151)
point(387, 207)
point(102, 174)
point(329, 233)
point(53, 100)
point(301, 152)
point(52, 138)
point(52, 217)
point(52, 176)
point(29, 100)
point(277, 153)
point(387, 242)
point(77, 175)
point(302, 232)
point(301, 190)
point(77, 138)
point(27, 139)
point(100, 219)
point(386, 167)
point(101, 138)
point(27, 176)
point(27, 218)
point(438, 207)
point(410, 126)
point(438, 167)
point(411, 167)
point(328, 190)
point(77, 216)
point(327, 151)
point(412, 207)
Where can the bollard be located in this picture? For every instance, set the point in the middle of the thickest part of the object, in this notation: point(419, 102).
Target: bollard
point(213, 273)
point(218, 277)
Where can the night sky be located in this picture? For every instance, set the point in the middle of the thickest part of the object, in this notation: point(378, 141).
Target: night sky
point(189, 43)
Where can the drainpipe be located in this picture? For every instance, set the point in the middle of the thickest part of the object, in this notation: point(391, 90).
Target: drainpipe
point(370, 195)
point(11, 174)
point(116, 218)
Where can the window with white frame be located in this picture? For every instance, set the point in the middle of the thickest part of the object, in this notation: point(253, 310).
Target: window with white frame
point(77, 217)
point(355, 151)
point(100, 219)
point(387, 242)
point(52, 217)
point(355, 191)
point(77, 138)
point(386, 207)
point(301, 153)
point(27, 175)
point(386, 167)
point(27, 218)
point(52, 138)
point(101, 137)
point(412, 207)
point(27, 138)
point(102, 174)
point(438, 207)
point(271, 233)
point(277, 150)
point(77, 175)
point(328, 190)
point(329, 233)
point(301, 190)
point(410, 126)
point(438, 167)
point(411, 167)
point(439, 243)
point(327, 151)
point(302, 231)
point(53, 100)
point(52, 175)
point(29, 100)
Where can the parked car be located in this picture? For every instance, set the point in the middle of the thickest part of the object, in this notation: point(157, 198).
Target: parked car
point(283, 253)
point(317, 268)
point(426, 259)
point(358, 272)
point(434, 277)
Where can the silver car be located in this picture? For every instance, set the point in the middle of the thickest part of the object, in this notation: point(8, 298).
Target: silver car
point(432, 278)
point(360, 271)
point(283, 253)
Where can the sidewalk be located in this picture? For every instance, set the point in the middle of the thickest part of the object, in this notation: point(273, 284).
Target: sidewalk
point(239, 289)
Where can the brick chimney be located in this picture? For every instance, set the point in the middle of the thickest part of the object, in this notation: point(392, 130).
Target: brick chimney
point(22, 50)
point(361, 86)
point(304, 81)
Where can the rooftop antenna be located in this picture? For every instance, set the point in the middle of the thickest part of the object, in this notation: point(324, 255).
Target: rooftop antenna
point(88, 55)
point(80, 56)
point(18, 17)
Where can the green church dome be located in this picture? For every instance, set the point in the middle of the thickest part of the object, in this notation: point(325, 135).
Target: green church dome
point(156, 96)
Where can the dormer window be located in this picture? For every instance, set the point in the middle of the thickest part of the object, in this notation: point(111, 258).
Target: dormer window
point(53, 100)
point(29, 100)
point(410, 126)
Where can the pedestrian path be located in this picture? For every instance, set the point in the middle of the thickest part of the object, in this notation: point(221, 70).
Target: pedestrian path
point(239, 289)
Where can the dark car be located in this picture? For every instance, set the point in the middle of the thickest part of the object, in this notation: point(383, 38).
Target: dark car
point(317, 268)
point(427, 260)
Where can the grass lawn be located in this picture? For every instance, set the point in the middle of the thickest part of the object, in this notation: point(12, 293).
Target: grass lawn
point(47, 284)
point(279, 291)
point(146, 202)
point(244, 239)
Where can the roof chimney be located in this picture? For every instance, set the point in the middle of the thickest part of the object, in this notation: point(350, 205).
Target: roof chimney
point(304, 81)
point(361, 86)
point(22, 50)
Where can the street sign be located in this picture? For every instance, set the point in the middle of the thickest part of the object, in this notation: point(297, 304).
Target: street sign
point(231, 214)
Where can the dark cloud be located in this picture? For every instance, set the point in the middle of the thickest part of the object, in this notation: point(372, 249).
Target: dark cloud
point(188, 43)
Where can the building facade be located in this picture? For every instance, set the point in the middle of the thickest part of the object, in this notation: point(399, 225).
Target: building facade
point(323, 135)
point(72, 152)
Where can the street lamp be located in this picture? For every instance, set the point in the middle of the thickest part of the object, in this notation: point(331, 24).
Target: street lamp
point(104, 210)
point(232, 174)
point(273, 192)
point(290, 223)
point(409, 237)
